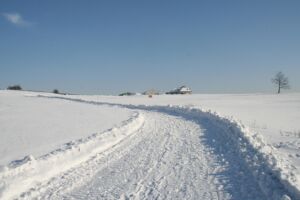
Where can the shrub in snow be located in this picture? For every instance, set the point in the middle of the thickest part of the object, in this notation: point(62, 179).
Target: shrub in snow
point(55, 91)
point(14, 87)
point(127, 94)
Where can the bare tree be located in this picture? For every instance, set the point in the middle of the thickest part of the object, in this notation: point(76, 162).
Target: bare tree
point(281, 81)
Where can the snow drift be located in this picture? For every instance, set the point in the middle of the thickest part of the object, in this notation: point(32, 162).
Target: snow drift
point(20, 175)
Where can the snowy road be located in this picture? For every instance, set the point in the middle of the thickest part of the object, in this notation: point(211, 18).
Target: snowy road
point(168, 157)
point(156, 152)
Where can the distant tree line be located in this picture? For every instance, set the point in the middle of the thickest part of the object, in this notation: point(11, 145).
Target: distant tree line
point(14, 87)
point(279, 80)
point(18, 87)
point(127, 94)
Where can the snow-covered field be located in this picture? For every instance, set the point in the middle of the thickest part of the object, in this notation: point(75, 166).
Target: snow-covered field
point(275, 117)
point(214, 146)
point(36, 126)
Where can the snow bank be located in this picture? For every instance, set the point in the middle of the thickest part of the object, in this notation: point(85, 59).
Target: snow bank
point(275, 177)
point(21, 175)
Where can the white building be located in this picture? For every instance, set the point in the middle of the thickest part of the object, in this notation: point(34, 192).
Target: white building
point(181, 90)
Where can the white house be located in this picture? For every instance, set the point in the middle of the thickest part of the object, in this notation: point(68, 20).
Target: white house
point(181, 90)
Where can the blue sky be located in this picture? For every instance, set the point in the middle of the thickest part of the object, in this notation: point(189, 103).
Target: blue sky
point(107, 47)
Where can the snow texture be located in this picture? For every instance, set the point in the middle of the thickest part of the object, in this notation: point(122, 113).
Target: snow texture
point(160, 152)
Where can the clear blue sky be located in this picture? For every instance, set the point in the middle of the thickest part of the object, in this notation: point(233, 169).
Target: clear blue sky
point(110, 46)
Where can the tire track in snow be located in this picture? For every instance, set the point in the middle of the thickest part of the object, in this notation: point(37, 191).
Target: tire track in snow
point(228, 171)
point(164, 159)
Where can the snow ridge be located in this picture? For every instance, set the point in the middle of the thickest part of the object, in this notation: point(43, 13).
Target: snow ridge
point(276, 180)
point(21, 175)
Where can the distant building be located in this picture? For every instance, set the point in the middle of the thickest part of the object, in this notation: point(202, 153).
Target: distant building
point(181, 90)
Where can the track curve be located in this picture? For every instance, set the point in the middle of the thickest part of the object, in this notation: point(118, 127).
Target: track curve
point(169, 157)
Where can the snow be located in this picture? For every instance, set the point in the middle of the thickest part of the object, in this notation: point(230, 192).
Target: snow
point(274, 117)
point(168, 164)
point(36, 126)
point(206, 146)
